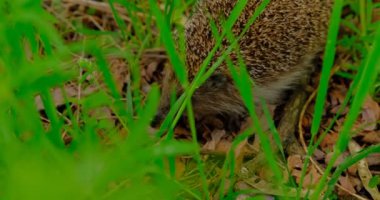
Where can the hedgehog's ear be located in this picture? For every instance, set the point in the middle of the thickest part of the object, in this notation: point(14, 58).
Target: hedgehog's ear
point(217, 80)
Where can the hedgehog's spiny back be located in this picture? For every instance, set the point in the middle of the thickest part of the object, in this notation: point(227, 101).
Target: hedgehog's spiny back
point(285, 34)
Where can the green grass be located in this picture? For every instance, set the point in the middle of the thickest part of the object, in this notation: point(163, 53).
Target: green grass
point(102, 163)
point(366, 80)
point(328, 61)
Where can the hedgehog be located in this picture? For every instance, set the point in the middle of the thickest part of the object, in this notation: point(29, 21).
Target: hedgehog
point(278, 50)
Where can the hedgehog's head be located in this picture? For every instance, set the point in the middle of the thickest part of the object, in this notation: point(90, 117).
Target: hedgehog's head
point(216, 96)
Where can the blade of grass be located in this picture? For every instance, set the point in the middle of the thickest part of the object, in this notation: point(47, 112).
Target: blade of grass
point(230, 159)
point(367, 79)
point(197, 155)
point(56, 123)
point(348, 162)
point(102, 65)
point(327, 64)
point(167, 39)
point(328, 61)
point(243, 83)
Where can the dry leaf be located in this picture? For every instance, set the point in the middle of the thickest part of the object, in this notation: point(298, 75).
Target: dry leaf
point(353, 170)
point(356, 182)
point(337, 94)
point(372, 137)
point(216, 137)
point(57, 97)
point(223, 146)
point(311, 178)
point(319, 155)
point(347, 184)
point(370, 114)
point(364, 172)
point(150, 69)
point(340, 159)
point(181, 132)
point(373, 159)
point(329, 141)
point(295, 162)
point(119, 72)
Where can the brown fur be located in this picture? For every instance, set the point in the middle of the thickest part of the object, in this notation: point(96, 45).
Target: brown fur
point(277, 49)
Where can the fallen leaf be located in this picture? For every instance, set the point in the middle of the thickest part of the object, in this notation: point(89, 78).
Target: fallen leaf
point(340, 159)
point(319, 155)
point(364, 172)
point(329, 141)
point(372, 137)
point(295, 162)
point(370, 114)
point(373, 159)
point(353, 170)
point(119, 71)
point(356, 182)
point(337, 94)
point(347, 184)
point(223, 146)
point(311, 178)
point(216, 137)
point(181, 132)
point(150, 69)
